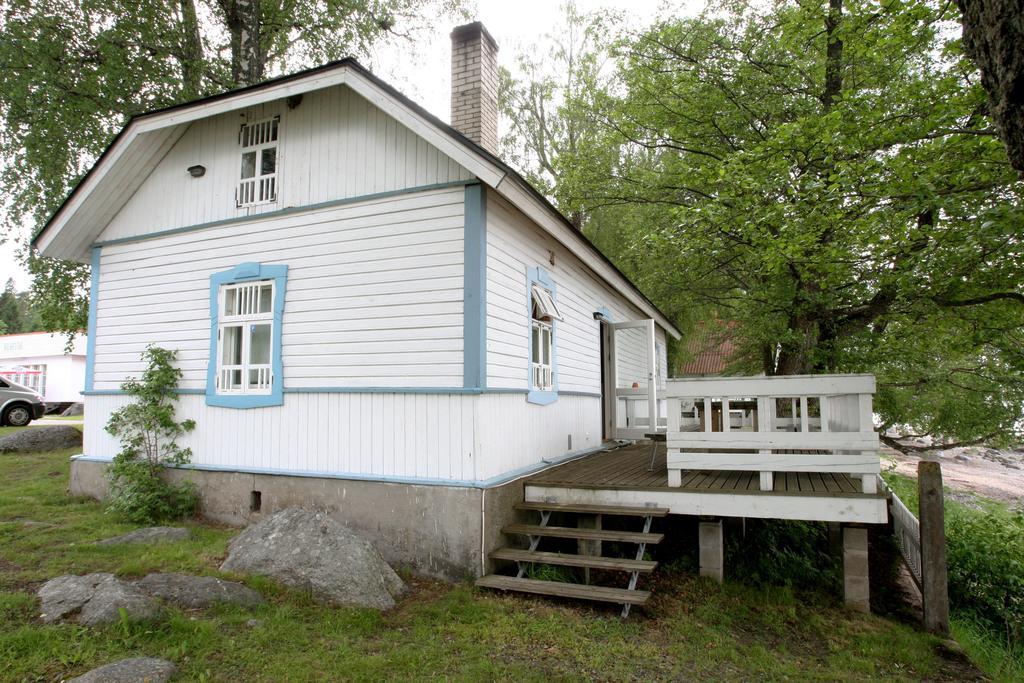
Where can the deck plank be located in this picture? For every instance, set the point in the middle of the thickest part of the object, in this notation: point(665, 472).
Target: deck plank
point(628, 469)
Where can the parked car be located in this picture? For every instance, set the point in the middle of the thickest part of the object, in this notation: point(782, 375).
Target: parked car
point(19, 405)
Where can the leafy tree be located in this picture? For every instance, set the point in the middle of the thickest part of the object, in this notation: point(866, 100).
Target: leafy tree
point(826, 176)
point(74, 71)
point(149, 433)
point(10, 311)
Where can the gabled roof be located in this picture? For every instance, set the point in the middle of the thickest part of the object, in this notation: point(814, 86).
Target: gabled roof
point(138, 148)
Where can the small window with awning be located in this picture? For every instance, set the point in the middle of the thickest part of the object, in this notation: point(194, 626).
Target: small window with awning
point(544, 307)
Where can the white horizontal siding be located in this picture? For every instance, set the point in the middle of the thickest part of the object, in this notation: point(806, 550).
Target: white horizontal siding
point(374, 294)
point(412, 436)
point(333, 145)
point(514, 243)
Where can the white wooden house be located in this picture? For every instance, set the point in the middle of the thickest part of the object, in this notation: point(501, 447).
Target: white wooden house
point(376, 316)
point(372, 312)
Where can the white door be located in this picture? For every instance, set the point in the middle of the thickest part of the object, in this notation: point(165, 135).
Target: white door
point(632, 378)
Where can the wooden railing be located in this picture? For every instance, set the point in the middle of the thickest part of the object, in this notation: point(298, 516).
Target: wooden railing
point(799, 423)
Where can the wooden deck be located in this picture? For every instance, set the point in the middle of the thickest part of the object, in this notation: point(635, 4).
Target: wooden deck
point(622, 477)
point(628, 468)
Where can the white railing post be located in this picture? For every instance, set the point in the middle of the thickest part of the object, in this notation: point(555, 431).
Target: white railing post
point(866, 422)
point(824, 412)
point(673, 424)
point(765, 423)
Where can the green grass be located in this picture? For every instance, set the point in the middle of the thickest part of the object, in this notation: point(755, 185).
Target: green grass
point(691, 629)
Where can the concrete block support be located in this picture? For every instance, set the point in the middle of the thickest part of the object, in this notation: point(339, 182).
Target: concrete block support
point(712, 549)
point(856, 587)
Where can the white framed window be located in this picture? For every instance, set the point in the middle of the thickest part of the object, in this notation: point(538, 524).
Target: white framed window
point(259, 162)
point(542, 312)
point(245, 333)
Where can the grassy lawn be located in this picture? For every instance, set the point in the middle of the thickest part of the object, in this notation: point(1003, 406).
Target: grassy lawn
point(691, 629)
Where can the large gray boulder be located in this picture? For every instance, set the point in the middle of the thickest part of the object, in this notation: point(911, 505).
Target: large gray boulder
point(153, 534)
point(310, 551)
point(95, 599)
point(38, 439)
point(137, 670)
point(198, 592)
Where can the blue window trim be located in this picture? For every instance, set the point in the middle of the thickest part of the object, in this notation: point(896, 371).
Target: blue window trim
point(90, 342)
point(474, 284)
point(537, 275)
point(242, 273)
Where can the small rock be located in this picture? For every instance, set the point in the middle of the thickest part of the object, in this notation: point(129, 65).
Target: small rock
point(960, 457)
point(137, 670)
point(312, 551)
point(95, 598)
point(253, 623)
point(38, 439)
point(154, 534)
point(197, 592)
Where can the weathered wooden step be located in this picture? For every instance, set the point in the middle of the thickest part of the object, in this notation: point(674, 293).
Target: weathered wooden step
point(585, 534)
point(564, 590)
point(569, 560)
point(626, 511)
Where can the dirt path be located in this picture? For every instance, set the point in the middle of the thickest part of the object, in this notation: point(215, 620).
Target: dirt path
point(988, 472)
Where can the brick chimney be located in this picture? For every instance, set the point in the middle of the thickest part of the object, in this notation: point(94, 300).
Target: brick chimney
point(475, 85)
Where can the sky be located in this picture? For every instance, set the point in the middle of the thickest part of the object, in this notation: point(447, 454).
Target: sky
point(424, 75)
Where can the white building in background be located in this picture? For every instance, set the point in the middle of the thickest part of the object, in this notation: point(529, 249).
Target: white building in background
point(42, 361)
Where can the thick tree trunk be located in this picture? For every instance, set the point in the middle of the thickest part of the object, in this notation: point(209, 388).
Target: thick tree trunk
point(993, 36)
point(802, 354)
point(191, 51)
point(243, 20)
point(833, 55)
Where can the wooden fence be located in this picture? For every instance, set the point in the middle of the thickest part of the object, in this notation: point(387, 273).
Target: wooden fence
point(801, 423)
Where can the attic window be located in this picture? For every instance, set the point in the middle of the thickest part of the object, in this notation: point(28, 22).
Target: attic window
point(258, 179)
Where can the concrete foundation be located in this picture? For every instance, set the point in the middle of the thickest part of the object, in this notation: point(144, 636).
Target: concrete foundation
point(439, 531)
point(712, 550)
point(856, 587)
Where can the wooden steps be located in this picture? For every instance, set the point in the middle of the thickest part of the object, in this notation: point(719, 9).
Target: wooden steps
point(578, 591)
point(583, 534)
point(589, 538)
point(567, 560)
point(623, 511)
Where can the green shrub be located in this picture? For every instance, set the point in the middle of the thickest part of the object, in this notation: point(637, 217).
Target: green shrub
point(782, 553)
point(139, 490)
point(985, 556)
point(985, 562)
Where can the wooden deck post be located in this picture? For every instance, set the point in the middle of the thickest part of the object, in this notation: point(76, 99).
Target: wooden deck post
point(586, 547)
point(856, 586)
point(712, 549)
point(934, 589)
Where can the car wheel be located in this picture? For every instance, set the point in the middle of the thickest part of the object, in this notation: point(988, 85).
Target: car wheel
point(18, 416)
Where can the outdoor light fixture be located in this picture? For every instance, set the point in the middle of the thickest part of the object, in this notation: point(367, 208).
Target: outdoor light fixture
point(197, 171)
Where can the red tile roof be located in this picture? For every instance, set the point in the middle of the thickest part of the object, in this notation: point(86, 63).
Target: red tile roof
point(709, 348)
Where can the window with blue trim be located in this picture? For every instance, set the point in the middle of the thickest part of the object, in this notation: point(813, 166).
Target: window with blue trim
point(542, 373)
point(246, 310)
